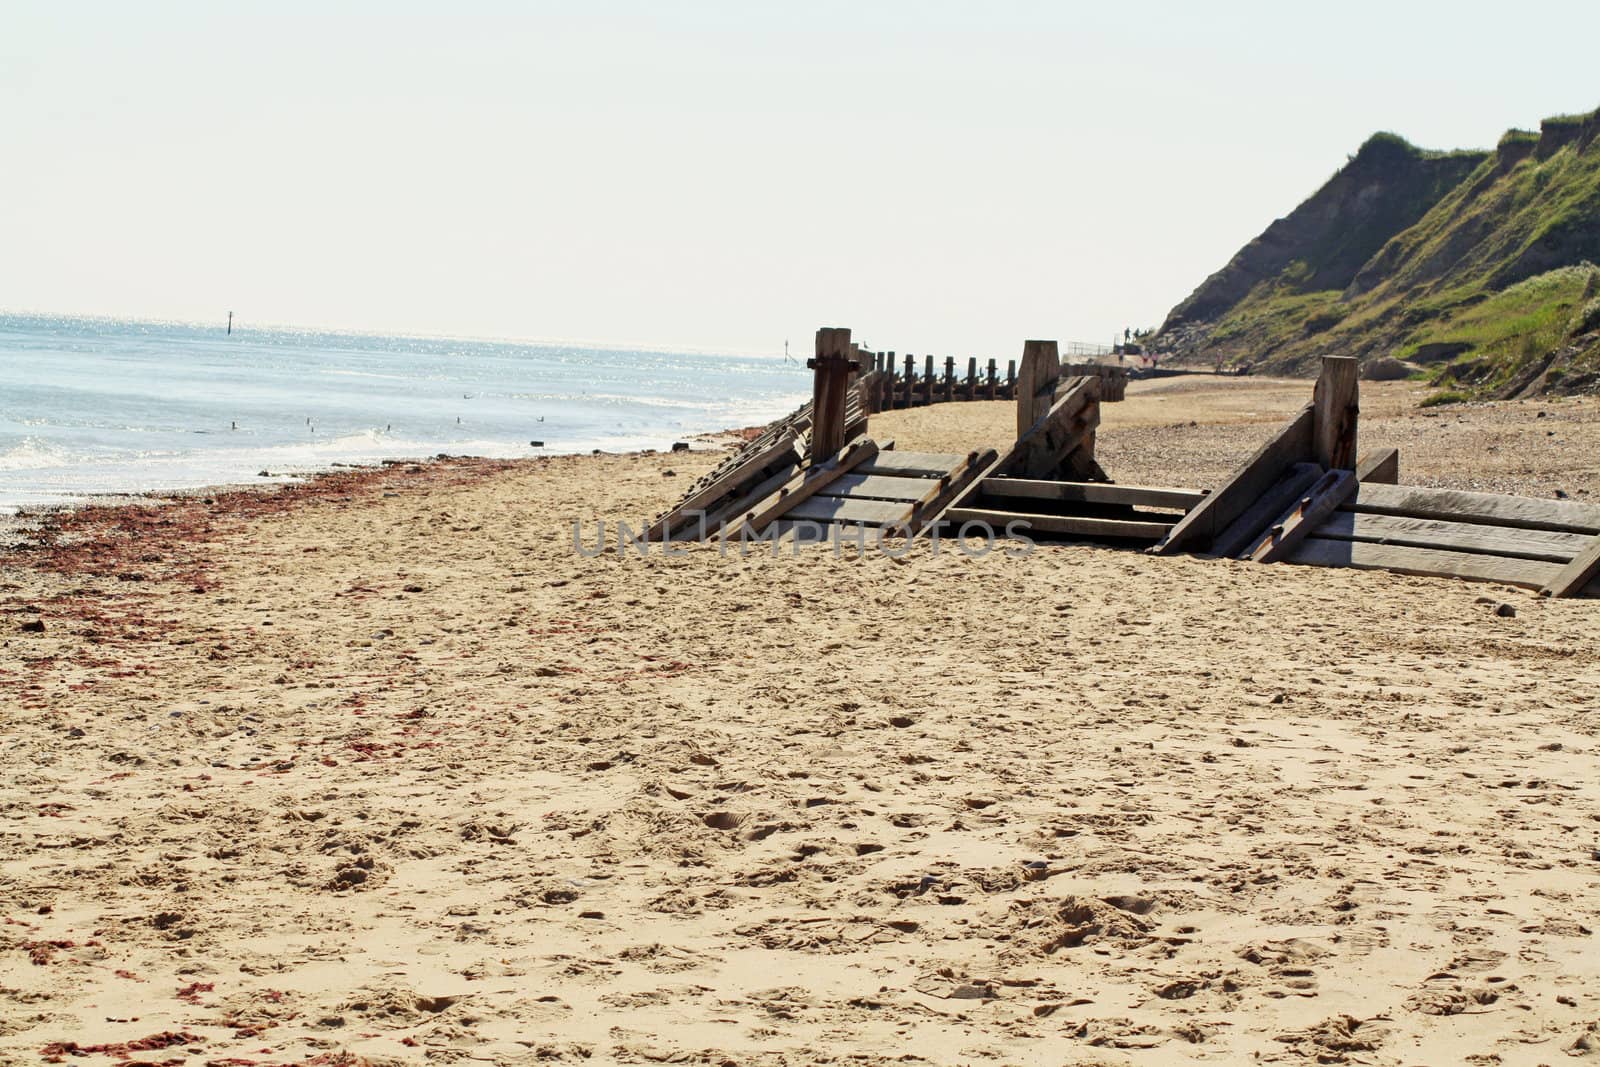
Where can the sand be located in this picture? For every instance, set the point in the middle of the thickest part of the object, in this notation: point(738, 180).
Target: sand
point(385, 772)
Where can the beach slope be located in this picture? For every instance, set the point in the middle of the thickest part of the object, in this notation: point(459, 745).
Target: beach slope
point(387, 772)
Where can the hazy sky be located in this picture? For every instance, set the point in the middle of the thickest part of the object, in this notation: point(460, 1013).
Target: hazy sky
point(941, 177)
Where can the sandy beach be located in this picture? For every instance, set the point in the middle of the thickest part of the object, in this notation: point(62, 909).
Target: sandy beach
point(382, 771)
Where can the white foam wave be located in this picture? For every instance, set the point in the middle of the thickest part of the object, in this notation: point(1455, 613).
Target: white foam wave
point(32, 453)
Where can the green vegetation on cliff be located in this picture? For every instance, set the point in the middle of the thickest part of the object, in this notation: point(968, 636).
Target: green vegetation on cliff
point(1476, 265)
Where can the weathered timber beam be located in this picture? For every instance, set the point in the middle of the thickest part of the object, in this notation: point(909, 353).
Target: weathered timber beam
point(1064, 525)
point(805, 485)
point(1547, 545)
point(1533, 513)
point(1576, 575)
point(1093, 493)
point(1380, 466)
point(1403, 559)
point(1290, 445)
point(949, 488)
point(1244, 531)
point(720, 515)
point(1065, 432)
point(728, 483)
point(1296, 524)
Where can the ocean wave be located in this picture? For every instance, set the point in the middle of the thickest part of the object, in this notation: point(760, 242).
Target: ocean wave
point(346, 372)
point(133, 407)
point(33, 453)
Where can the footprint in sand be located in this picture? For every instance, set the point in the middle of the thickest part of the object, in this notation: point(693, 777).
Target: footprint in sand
point(1287, 964)
point(1452, 999)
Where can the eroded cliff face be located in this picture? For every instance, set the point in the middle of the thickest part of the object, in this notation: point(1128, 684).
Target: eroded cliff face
point(1477, 257)
point(1385, 187)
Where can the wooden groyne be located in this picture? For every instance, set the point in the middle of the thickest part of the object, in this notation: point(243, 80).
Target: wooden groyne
point(1307, 496)
point(888, 381)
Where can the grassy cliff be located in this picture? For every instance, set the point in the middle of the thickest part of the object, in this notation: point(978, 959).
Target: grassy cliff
point(1475, 266)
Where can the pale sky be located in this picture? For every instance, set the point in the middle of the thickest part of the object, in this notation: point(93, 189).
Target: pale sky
point(941, 177)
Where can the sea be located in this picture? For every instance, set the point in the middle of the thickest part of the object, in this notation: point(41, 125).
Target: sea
point(92, 406)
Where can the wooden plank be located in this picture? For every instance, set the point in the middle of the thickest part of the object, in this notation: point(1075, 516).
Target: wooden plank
point(878, 487)
point(1404, 559)
point(1049, 453)
point(1093, 493)
point(1525, 512)
point(790, 427)
point(728, 483)
point(1335, 400)
point(1290, 445)
point(952, 488)
point(912, 464)
point(844, 509)
point(1246, 530)
point(1584, 568)
point(809, 483)
point(941, 491)
point(1063, 437)
point(1454, 536)
point(1381, 466)
point(1304, 515)
point(734, 510)
point(1065, 525)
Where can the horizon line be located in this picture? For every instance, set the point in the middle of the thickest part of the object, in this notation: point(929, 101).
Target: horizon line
point(422, 335)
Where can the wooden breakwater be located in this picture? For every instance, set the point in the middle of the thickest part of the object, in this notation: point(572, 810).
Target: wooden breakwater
point(887, 381)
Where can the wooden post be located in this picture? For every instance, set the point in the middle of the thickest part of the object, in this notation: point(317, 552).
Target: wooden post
point(1011, 378)
point(830, 389)
point(859, 361)
point(927, 381)
point(1036, 384)
point(949, 378)
point(910, 377)
point(992, 379)
point(1335, 401)
point(886, 400)
point(972, 378)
